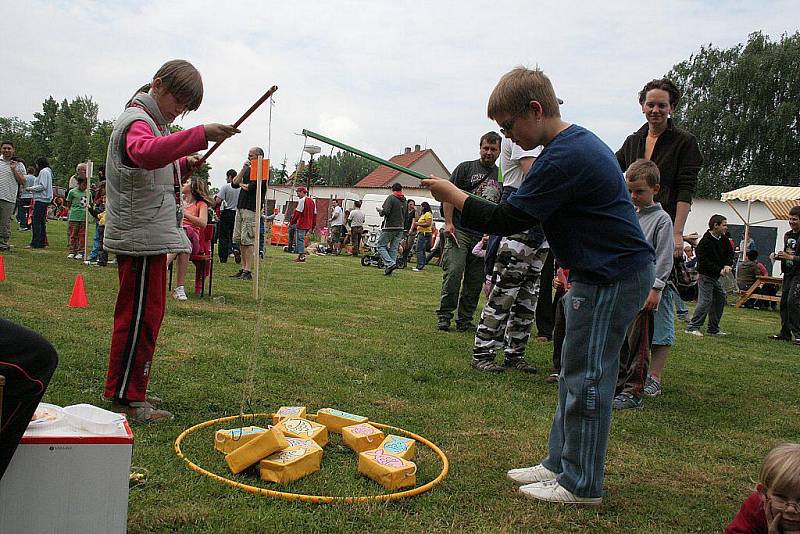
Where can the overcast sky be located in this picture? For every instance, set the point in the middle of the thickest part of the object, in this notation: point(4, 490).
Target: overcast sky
point(378, 75)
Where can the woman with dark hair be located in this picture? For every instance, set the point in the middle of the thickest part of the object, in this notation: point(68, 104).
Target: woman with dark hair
point(42, 190)
point(424, 228)
point(676, 153)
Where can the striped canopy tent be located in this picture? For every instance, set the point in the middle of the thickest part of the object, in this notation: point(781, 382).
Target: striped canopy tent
point(778, 199)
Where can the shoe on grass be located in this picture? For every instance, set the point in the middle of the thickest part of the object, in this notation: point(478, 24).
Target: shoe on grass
point(487, 366)
point(246, 275)
point(238, 275)
point(778, 337)
point(552, 378)
point(78, 256)
point(626, 401)
point(717, 334)
point(465, 327)
point(143, 412)
point(444, 326)
point(697, 333)
point(152, 399)
point(652, 386)
point(530, 475)
point(520, 364)
point(179, 293)
point(556, 493)
point(70, 256)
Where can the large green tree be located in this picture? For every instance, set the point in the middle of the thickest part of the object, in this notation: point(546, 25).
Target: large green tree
point(743, 104)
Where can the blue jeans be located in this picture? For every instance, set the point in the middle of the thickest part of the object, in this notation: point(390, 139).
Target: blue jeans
point(680, 306)
point(597, 318)
point(664, 320)
point(710, 302)
point(300, 244)
point(39, 219)
point(95, 253)
point(388, 242)
point(423, 242)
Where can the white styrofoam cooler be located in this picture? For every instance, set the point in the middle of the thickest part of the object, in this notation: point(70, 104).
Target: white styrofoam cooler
point(62, 479)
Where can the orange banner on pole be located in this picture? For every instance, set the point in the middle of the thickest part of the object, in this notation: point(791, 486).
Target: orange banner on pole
point(254, 170)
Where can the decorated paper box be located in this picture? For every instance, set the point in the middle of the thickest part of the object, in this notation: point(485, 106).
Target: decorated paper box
point(303, 428)
point(291, 464)
point(362, 437)
point(258, 448)
point(335, 419)
point(288, 411)
point(389, 471)
point(399, 446)
point(226, 441)
point(302, 442)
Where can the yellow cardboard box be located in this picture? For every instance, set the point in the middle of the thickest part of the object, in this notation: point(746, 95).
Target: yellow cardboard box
point(303, 428)
point(289, 411)
point(290, 464)
point(336, 419)
point(361, 437)
point(399, 446)
point(260, 447)
point(302, 442)
point(389, 471)
point(227, 441)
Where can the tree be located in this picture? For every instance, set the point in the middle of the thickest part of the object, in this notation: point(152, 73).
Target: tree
point(18, 132)
point(43, 128)
point(342, 169)
point(743, 104)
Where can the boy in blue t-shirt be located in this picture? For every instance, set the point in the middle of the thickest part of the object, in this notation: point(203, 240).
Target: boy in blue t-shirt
point(575, 189)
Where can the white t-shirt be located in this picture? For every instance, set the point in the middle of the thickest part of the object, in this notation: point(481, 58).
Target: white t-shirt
point(337, 218)
point(357, 217)
point(8, 182)
point(229, 196)
point(510, 156)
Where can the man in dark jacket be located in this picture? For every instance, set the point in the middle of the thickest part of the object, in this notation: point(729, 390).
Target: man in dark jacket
point(394, 214)
point(714, 259)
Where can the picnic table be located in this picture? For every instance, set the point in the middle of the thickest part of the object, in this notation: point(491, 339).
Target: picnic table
point(760, 282)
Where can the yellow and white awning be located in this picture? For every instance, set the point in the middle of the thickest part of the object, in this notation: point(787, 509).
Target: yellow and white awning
point(778, 199)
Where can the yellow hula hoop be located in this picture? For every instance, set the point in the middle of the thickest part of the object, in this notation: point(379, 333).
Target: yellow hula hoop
point(316, 499)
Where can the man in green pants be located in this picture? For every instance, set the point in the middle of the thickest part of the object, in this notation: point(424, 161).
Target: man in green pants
point(463, 271)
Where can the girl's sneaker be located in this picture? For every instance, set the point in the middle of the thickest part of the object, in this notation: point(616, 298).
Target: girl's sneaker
point(70, 256)
point(78, 256)
point(179, 293)
point(652, 387)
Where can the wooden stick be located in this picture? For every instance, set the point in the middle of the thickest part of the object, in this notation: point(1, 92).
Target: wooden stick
point(89, 171)
point(256, 256)
point(236, 124)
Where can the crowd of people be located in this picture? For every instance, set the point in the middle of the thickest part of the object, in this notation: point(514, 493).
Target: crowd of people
point(559, 201)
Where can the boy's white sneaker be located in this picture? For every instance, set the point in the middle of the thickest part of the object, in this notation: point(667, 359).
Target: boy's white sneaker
point(530, 475)
point(697, 333)
point(179, 293)
point(78, 256)
point(556, 493)
point(70, 256)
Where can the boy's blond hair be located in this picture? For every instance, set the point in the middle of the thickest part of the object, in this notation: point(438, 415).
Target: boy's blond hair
point(643, 169)
point(517, 88)
point(781, 469)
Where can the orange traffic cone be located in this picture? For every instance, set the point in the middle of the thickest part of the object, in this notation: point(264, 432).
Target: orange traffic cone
point(2, 268)
point(78, 298)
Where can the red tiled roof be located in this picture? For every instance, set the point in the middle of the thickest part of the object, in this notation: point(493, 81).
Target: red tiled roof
point(383, 174)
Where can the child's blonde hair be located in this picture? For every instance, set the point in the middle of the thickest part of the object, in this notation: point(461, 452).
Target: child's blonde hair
point(781, 469)
point(517, 88)
point(181, 79)
point(199, 189)
point(643, 169)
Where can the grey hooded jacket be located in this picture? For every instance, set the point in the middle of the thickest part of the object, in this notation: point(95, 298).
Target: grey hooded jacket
point(142, 216)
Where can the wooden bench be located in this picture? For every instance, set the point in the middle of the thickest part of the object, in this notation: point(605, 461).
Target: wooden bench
point(760, 282)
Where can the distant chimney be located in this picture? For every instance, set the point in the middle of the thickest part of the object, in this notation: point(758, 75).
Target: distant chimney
point(407, 150)
point(416, 148)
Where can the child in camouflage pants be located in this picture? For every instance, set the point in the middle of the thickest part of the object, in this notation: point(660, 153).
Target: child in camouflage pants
point(510, 312)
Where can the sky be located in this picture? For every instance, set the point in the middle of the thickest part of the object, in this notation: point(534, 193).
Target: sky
point(378, 75)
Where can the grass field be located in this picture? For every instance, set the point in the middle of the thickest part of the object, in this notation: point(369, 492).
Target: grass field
point(330, 333)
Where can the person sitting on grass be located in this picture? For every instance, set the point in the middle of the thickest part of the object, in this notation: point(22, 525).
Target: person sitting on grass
point(790, 290)
point(643, 183)
point(714, 259)
point(774, 507)
point(577, 192)
point(196, 201)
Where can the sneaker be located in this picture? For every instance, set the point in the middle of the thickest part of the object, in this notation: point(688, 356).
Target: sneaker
point(556, 493)
point(389, 270)
point(179, 293)
point(152, 399)
point(465, 327)
point(531, 475)
point(717, 334)
point(626, 401)
point(299, 260)
point(143, 412)
point(246, 275)
point(443, 326)
point(239, 274)
point(70, 256)
point(78, 256)
point(652, 386)
point(416, 270)
point(488, 366)
point(552, 378)
point(779, 337)
point(520, 364)
point(697, 333)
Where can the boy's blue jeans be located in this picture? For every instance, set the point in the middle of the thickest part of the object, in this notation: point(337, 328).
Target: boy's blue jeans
point(95, 253)
point(597, 318)
point(387, 245)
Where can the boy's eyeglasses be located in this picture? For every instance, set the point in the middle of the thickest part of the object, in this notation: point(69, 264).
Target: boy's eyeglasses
point(507, 126)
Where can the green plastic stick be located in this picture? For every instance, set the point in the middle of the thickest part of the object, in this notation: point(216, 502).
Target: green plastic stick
point(366, 155)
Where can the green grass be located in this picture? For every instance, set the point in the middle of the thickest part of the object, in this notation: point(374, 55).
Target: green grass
point(331, 333)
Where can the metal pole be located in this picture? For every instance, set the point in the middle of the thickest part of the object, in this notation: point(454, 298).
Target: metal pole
point(746, 230)
point(89, 171)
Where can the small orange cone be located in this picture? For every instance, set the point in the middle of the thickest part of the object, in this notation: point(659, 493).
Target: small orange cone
point(78, 298)
point(2, 268)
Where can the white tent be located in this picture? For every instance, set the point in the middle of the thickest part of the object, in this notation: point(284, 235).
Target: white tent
point(778, 199)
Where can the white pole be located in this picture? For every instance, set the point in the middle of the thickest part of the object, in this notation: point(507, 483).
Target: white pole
point(256, 256)
point(89, 171)
point(746, 231)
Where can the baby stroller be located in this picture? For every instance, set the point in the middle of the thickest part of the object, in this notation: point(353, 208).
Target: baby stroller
point(371, 256)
